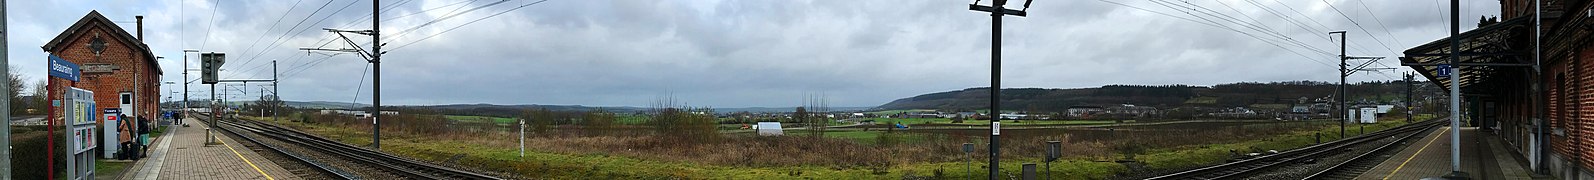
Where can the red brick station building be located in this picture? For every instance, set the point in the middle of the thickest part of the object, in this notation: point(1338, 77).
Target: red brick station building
point(115, 64)
point(1542, 108)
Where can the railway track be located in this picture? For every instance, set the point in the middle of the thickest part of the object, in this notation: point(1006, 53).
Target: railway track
point(1361, 163)
point(1341, 157)
point(303, 166)
point(347, 161)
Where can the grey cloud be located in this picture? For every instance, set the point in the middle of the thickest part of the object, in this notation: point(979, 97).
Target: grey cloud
point(753, 53)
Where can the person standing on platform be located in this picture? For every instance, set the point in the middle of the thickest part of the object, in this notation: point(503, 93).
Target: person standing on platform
point(143, 136)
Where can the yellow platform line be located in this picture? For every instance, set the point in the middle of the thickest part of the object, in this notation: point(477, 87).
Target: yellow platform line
point(246, 160)
point(1414, 155)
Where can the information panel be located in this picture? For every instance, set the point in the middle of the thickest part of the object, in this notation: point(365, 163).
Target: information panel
point(78, 111)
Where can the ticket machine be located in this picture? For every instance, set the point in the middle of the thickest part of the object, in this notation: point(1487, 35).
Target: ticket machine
point(109, 141)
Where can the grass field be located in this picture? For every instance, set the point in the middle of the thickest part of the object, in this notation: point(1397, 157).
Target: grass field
point(913, 121)
point(495, 120)
point(631, 119)
point(497, 154)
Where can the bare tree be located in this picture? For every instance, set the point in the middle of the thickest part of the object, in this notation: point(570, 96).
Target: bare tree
point(815, 114)
point(39, 101)
point(683, 123)
point(17, 104)
point(598, 122)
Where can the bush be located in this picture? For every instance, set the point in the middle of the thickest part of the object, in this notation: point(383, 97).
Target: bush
point(690, 125)
point(27, 162)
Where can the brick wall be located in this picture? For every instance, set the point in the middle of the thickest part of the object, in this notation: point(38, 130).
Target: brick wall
point(1582, 127)
point(1572, 107)
point(107, 86)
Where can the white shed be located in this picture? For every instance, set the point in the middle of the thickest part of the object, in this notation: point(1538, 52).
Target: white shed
point(1369, 115)
point(769, 129)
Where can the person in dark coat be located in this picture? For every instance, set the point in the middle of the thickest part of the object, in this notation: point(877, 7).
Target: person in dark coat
point(143, 135)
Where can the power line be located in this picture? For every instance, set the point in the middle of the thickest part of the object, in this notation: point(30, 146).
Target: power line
point(1214, 25)
point(213, 8)
point(468, 23)
point(1359, 26)
point(426, 10)
point(360, 86)
point(307, 28)
point(1380, 22)
point(286, 32)
point(273, 27)
point(1439, 9)
point(1170, 5)
point(450, 16)
point(1354, 45)
point(295, 71)
point(1258, 28)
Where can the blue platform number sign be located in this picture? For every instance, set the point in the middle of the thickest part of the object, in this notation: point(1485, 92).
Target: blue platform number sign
point(63, 69)
point(1443, 71)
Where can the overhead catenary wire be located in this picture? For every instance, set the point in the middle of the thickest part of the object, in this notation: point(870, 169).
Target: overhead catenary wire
point(273, 26)
point(1257, 22)
point(1359, 26)
point(1171, 5)
point(1380, 22)
point(468, 23)
point(1259, 28)
point(323, 19)
point(285, 34)
point(447, 17)
point(1218, 26)
point(1353, 45)
point(213, 8)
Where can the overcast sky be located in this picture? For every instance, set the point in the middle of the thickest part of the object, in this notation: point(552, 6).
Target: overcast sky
point(747, 53)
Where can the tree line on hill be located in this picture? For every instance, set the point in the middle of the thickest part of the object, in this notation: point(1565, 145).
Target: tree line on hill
point(1240, 94)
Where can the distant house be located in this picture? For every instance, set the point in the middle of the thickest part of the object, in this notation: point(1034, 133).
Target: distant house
point(923, 115)
point(1081, 111)
point(1301, 108)
point(1132, 110)
point(355, 113)
point(1234, 112)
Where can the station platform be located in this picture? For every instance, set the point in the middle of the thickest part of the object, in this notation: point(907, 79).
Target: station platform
point(183, 154)
point(1483, 156)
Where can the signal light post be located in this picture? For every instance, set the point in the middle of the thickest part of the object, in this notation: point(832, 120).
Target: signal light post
point(997, 11)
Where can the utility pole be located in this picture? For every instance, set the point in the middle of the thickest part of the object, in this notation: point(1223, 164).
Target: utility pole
point(276, 99)
point(5, 113)
point(376, 75)
point(1344, 71)
point(1455, 89)
point(185, 83)
point(1409, 77)
point(997, 11)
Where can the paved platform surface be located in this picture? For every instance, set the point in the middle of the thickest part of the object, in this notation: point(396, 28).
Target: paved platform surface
point(184, 155)
point(1482, 157)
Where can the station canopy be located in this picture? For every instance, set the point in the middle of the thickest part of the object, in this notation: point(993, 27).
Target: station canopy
point(1485, 51)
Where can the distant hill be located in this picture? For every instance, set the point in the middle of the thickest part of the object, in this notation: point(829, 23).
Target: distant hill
point(1223, 95)
point(784, 109)
point(322, 104)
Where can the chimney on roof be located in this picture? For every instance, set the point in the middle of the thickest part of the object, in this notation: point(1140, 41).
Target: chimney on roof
point(140, 28)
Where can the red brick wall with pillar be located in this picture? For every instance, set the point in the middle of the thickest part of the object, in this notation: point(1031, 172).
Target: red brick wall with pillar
point(1581, 127)
point(107, 86)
